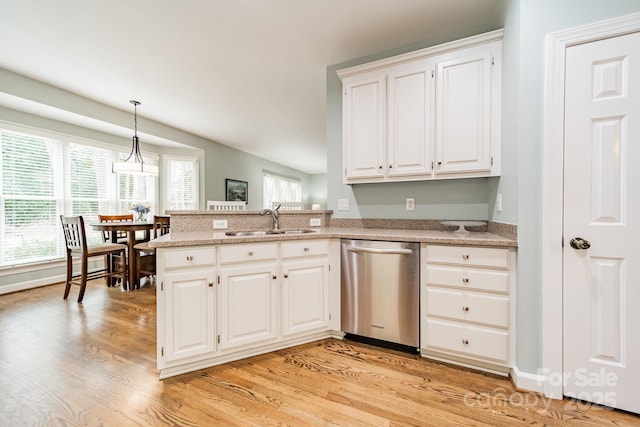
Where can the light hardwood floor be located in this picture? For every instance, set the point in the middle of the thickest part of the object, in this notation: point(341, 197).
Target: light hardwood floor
point(66, 364)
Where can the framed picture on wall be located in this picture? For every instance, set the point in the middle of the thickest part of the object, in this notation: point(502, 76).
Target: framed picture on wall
point(236, 191)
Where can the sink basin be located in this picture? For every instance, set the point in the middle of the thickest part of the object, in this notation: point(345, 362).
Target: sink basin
point(248, 233)
point(297, 231)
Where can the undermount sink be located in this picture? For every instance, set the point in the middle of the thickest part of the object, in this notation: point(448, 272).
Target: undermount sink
point(246, 233)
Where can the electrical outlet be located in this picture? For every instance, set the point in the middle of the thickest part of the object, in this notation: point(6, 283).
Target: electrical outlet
point(220, 223)
point(410, 204)
point(343, 204)
point(499, 202)
point(315, 222)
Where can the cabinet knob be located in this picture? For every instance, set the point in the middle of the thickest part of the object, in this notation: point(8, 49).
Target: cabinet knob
point(380, 167)
point(465, 280)
point(274, 277)
point(286, 275)
point(465, 309)
point(211, 284)
point(189, 258)
point(306, 249)
point(465, 341)
point(250, 253)
point(465, 256)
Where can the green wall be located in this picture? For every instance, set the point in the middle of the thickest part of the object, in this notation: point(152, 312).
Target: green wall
point(526, 24)
point(470, 198)
point(217, 161)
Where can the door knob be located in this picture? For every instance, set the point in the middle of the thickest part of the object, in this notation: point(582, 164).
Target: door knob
point(579, 243)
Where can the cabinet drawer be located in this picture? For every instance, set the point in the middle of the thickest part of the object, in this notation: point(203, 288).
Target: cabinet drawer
point(468, 278)
point(462, 255)
point(492, 310)
point(468, 340)
point(304, 248)
point(248, 252)
point(189, 257)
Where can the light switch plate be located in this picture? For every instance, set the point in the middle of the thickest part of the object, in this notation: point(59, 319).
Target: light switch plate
point(343, 204)
point(220, 223)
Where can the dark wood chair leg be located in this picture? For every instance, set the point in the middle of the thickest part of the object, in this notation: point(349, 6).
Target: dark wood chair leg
point(83, 278)
point(67, 287)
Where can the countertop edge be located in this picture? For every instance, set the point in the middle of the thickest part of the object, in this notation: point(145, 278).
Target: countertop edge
point(217, 237)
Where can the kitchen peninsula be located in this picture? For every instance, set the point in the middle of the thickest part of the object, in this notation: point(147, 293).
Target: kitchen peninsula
point(222, 298)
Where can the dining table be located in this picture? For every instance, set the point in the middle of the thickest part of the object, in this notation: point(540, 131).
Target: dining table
point(130, 227)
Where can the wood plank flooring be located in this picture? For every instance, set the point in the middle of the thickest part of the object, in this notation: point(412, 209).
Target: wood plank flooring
point(69, 364)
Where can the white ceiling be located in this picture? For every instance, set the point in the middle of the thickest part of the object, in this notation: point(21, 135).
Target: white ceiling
point(250, 74)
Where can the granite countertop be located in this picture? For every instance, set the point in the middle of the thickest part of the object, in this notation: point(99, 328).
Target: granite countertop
point(216, 237)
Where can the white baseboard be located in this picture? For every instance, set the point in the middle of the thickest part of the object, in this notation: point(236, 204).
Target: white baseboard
point(527, 381)
point(31, 284)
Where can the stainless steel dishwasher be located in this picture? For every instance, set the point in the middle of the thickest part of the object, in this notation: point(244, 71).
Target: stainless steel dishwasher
point(381, 290)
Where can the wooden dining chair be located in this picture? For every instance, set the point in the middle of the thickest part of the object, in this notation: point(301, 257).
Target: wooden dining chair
point(120, 236)
point(146, 256)
point(76, 242)
point(113, 262)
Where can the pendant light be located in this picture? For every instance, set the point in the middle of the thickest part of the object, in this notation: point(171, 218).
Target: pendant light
point(135, 164)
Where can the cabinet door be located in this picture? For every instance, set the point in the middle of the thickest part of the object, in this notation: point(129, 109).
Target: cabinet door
point(305, 293)
point(248, 306)
point(463, 113)
point(190, 328)
point(364, 126)
point(410, 105)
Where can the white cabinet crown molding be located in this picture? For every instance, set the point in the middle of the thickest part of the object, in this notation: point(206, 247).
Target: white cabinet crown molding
point(476, 40)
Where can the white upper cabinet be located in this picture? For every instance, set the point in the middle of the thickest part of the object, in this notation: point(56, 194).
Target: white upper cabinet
point(429, 114)
point(464, 108)
point(410, 119)
point(364, 125)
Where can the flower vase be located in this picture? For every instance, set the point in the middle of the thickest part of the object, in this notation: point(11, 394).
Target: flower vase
point(142, 217)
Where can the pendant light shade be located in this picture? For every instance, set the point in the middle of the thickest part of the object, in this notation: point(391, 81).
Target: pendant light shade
point(135, 164)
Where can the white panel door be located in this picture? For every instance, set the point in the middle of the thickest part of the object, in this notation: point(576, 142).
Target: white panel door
point(364, 125)
point(601, 283)
point(463, 113)
point(305, 295)
point(248, 308)
point(410, 105)
point(190, 313)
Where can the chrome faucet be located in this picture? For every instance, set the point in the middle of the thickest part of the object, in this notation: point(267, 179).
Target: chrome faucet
point(274, 216)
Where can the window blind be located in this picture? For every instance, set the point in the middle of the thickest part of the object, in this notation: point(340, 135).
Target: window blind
point(182, 183)
point(276, 188)
point(44, 177)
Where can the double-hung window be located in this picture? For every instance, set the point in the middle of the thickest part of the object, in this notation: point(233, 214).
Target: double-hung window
point(277, 188)
point(44, 176)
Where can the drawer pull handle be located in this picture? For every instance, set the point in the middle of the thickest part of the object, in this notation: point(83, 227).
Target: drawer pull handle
point(465, 280)
point(306, 249)
point(465, 256)
point(189, 258)
point(250, 253)
point(465, 309)
point(465, 341)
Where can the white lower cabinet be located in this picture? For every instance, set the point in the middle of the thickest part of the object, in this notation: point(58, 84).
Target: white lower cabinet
point(186, 304)
point(248, 294)
point(258, 298)
point(467, 308)
point(305, 295)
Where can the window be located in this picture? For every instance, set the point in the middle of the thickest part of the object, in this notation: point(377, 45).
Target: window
point(44, 176)
point(181, 183)
point(276, 188)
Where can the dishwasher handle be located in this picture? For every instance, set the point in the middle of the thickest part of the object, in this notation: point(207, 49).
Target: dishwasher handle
point(394, 251)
